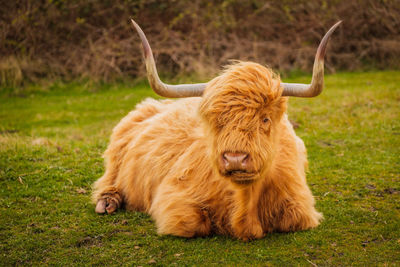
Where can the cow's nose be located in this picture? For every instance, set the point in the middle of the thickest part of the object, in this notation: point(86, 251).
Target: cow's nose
point(235, 160)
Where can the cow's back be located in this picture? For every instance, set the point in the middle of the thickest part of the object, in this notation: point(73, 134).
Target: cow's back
point(149, 143)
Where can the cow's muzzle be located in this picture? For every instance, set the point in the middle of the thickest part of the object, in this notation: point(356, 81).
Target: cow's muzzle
point(238, 166)
point(235, 161)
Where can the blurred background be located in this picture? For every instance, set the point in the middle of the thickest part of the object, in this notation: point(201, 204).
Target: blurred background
point(59, 39)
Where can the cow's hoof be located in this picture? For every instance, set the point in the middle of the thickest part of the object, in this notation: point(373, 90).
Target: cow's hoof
point(106, 205)
point(101, 206)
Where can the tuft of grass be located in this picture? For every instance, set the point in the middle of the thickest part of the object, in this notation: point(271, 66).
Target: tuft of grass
point(51, 142)
point(10, 72)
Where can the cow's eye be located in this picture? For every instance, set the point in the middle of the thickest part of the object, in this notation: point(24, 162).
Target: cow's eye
point(265, 120)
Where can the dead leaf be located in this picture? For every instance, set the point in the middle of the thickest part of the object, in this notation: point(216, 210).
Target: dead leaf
point(81, 191)
point(127, 233)
point(20, 180)
point(41, 142)
point(136, 247)
point(29, 173)
point(372, 209)
point(370, 186)
point(152, 261)
point(77, 137)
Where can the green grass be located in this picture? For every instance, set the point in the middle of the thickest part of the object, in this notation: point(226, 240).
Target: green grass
point(52, 139)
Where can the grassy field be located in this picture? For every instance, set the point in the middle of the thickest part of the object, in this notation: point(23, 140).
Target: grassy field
point(52, 139)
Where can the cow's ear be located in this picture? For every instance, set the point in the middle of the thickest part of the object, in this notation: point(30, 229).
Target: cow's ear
point(280, 107)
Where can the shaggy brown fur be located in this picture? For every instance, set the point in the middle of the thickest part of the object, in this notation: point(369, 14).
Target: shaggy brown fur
point(163, 159)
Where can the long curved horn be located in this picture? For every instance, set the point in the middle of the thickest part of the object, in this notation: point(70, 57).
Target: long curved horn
point(162, 89)
point(317, 81)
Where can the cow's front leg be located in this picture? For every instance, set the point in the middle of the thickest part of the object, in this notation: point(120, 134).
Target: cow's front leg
point(247, 227)
point(105, 194)
point(178, 214)
point(108, 201)
point(245, 219)
point(297, 216)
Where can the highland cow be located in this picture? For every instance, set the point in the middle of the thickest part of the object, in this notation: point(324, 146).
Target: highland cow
point(226, 162)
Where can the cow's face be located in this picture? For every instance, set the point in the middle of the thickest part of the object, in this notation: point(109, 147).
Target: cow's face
point(241, 110)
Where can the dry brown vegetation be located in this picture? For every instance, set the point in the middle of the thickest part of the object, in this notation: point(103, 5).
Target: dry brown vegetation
point(73, 39)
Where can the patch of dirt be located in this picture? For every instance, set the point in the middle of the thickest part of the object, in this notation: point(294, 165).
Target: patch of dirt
point(89, 241)
point(391, 191)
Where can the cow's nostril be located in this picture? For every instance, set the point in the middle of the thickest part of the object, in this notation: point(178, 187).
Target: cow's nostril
point(235, 159)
